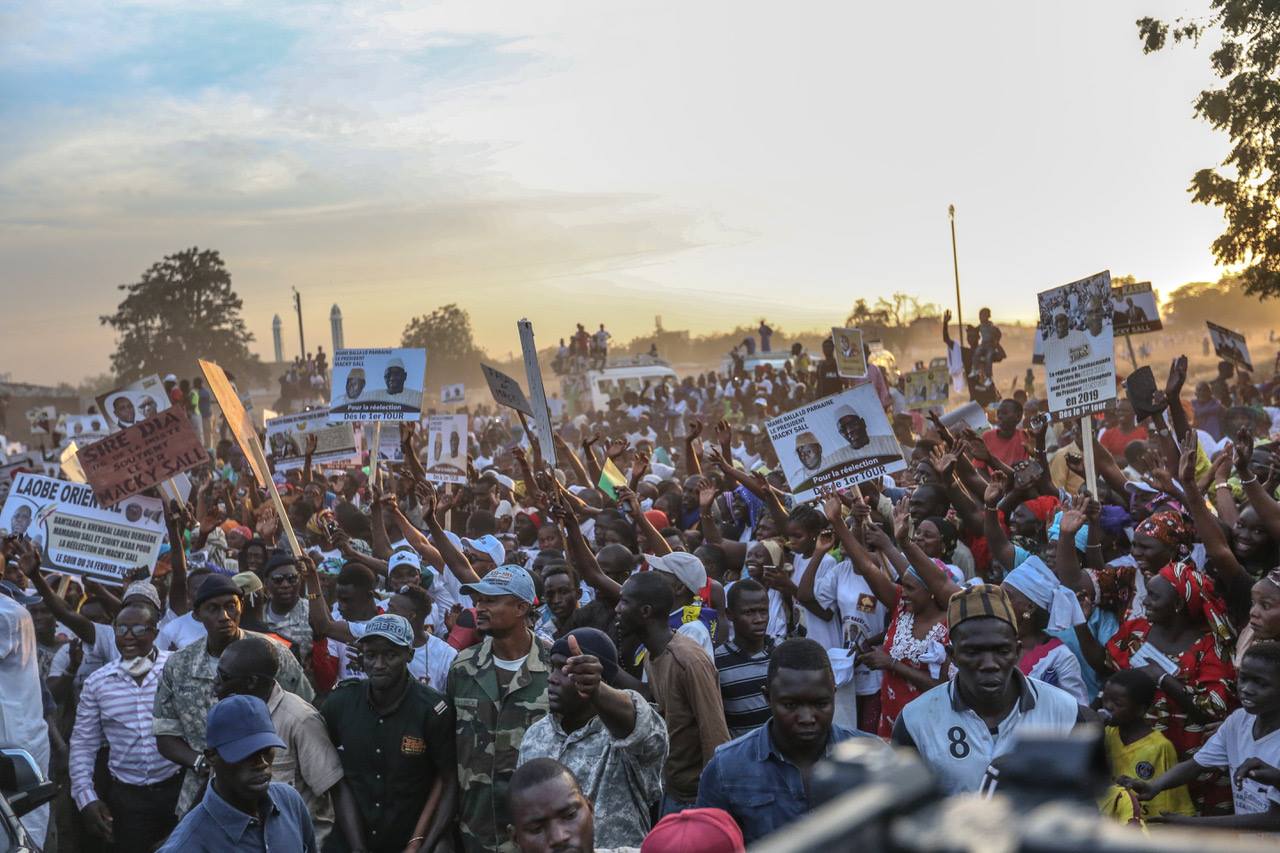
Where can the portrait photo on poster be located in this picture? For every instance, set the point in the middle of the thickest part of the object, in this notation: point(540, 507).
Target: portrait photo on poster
point(1133, 309)
point(447, 448)
point(1077, 339)
point(287, 440)
point(1230, 345)
point(377, 384)
point(837, 441)
point(851, 357)
point(134, 403)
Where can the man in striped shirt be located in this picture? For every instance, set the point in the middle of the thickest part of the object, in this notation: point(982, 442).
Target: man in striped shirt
point(116, 707)
point(743, 662)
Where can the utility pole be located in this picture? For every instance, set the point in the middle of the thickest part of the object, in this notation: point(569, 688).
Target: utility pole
point(297, 306)
point(955, 264)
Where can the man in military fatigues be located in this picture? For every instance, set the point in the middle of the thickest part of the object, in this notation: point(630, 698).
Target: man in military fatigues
point(185, 694)
point(499, 690)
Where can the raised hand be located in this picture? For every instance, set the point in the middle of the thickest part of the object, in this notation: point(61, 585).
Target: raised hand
point(695, 429)
point(616, 447)
point(1187, 461)
point(313, 441)
point(1073, 518)
point(724, 433)
point(1244, 452)
point(1176, 379)
point(995, 489)
point(585, 671)
point(639, 465)
point(707, 495)
point(832, 506)
point(902, 519)
point(826, 540)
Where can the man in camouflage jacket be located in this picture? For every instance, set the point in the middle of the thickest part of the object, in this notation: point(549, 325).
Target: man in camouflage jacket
point(499, 690)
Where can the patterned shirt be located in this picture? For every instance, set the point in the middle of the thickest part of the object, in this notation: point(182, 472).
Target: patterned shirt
point(491, 725)
point(116, 708)
point(294, 625)
point(185, 696)
point(742, 679)
point(622, 777)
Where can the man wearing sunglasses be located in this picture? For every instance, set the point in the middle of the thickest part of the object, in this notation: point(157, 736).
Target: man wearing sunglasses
point(116, 708)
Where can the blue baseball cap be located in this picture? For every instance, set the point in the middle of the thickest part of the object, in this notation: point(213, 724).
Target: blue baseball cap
point(240, 726)
point(505, 580)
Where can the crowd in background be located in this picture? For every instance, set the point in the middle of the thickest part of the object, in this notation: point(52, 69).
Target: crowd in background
point(541, 659)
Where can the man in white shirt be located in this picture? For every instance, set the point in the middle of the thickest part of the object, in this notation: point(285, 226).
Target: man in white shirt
point(961, 727)
point(115, 710)
point(21, 709)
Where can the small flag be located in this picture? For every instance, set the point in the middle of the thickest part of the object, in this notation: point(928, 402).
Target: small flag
point(610, 479)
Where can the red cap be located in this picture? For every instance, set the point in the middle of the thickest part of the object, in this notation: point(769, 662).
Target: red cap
point(704, 830)
point(658, 518)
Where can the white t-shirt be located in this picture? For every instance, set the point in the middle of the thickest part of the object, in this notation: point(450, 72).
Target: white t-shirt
point(21, 709)
point(1061, 668)
point(859, 616)
point(509, 665)
point(1230, 746)
point(431, 662)
point(347, 667)
point(178, 633)
point(825, 632)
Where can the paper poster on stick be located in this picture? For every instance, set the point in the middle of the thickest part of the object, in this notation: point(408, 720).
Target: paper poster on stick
point(287, 440)
point(133, 403)
point(1133, 309)
point(1230, 345)
point(533, 373)
point(851, 360)
point(1079, 346)
point(837, 441)
point(447, 448)
point(79, 536)
point(505, 390)
point(927, 389)
point(455, 394)
point(141, 457)
point(377, 384)
point(41, 418)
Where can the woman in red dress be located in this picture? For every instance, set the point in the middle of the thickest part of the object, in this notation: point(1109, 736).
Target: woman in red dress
point(1182, 643)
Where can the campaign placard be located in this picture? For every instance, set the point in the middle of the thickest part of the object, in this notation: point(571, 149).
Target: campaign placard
point(533, 374)
point(1079, 346)
point(1230, 345)
point(133, 403)
point(837, 441)
point(287, 440)
point(238, 421)
point(78, 535)
point(926, 389)
point(83, 428)
point(455, 394)
point(1133, 309)
point(39, 418)
point(851, 360)
point(15, 464)
point(377, 384)
point(970, 415)
point(505, 390)
point(142, 456)
point(447, 448)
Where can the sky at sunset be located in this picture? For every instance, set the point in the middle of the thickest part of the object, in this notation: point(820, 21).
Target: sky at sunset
point(709, 162)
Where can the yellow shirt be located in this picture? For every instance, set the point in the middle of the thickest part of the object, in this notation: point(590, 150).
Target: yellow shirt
point(1146, 759)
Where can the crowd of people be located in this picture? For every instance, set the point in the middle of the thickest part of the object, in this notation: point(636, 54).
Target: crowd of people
point(544, 659)
point(305, 381)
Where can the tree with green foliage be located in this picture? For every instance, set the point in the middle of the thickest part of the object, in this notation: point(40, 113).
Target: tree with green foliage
point(181, 310)
point(446, 335)
point(1246, 105)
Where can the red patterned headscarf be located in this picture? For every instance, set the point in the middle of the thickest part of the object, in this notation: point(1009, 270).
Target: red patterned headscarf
point(1171, 528)
point(1204, 605)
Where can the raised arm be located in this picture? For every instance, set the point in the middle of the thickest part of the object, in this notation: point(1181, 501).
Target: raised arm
point(693, 465)
point(571, 461)
point(175, 517)
point(882, 586)
point(1173, 396)
point(998, 541)
point(735, 552)
point(1263, 504)
point(648, 533)
point(417, 541)
point(593, 466)
point(322, 623)
point(1216, 546)
point(29, 563)
point(581, 557)
point(453, 558)
point(312, 441)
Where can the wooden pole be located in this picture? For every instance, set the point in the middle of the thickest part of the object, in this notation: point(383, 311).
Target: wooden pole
point(955, 265)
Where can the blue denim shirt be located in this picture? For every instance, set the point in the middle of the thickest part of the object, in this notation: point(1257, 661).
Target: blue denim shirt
point(214, 826)
point(749, 778)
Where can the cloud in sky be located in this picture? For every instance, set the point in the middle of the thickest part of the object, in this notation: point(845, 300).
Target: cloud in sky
point(566, 161)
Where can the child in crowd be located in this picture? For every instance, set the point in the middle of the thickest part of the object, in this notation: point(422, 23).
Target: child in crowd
point(1136, 750)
